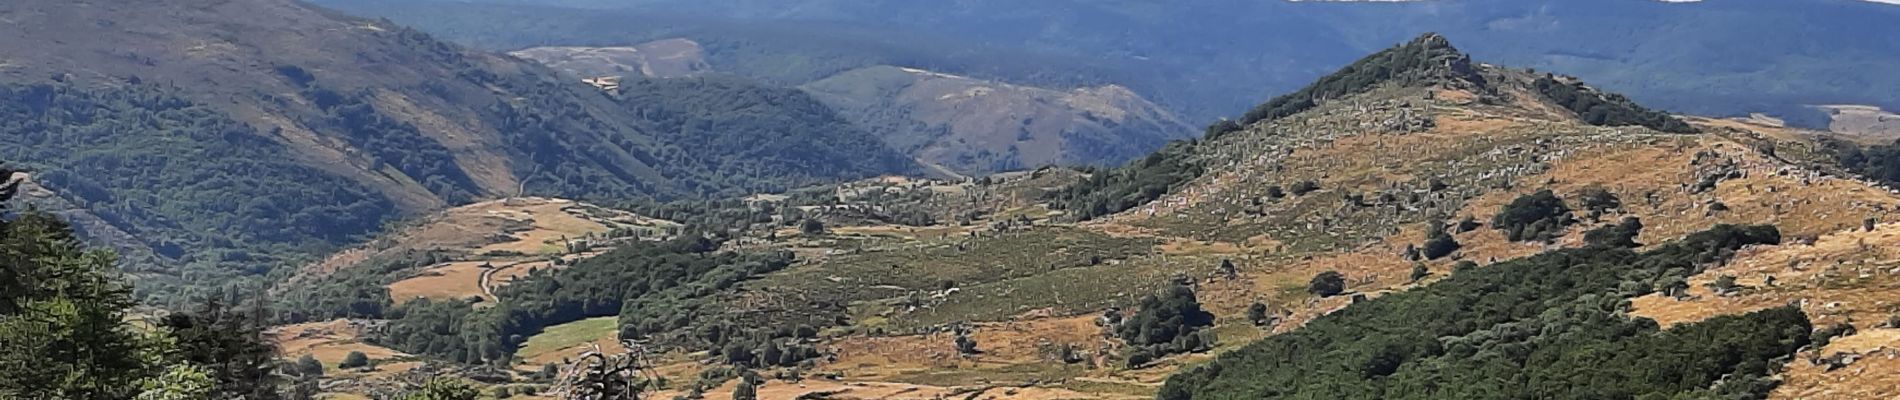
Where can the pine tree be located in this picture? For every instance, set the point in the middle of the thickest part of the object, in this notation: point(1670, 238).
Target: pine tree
point(231, 344)
point(62, 321)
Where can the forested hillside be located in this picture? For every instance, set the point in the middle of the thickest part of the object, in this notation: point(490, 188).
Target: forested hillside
point(284, 131)
point(742, 130)
point(187, 182)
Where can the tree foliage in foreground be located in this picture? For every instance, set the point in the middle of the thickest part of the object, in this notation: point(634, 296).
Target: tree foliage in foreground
point(65, 332)
point(1551, 326)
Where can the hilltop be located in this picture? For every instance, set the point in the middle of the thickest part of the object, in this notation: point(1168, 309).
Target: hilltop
point(227, 138)
point(1410, 180)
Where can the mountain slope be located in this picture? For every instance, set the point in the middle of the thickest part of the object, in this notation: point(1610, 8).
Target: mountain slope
point(974, 126)
point(362, 119)
point(1386, 166)
point(966, 125)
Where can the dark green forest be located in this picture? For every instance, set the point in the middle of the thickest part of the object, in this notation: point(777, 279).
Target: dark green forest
point(1551, 326)
point(1606, 109)
point(1876, 162)
point(653, 288)
point(744, 130)
point(1109, 191)
point(193, 186)
point(389, 143)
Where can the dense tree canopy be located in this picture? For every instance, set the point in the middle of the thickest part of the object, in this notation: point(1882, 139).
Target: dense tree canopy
point(1141, 181)
point(1606, 109)
point(651, 287)
point(1550, 326)
point(191, 184)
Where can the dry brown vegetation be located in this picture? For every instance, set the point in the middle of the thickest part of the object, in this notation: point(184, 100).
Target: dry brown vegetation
point(329, 342)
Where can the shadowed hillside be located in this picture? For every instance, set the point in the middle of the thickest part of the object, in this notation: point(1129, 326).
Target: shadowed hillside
point(277, 113)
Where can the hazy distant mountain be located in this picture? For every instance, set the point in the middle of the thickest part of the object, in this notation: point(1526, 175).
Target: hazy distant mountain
point(975, 126)
point(1218, 56)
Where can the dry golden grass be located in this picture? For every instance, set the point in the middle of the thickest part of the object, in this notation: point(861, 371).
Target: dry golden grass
point(1651, 180)
point(532, 226)
point(329, 342)
point(856, 390)
point(1001, 343)
point(550, 225)
point(454, 280)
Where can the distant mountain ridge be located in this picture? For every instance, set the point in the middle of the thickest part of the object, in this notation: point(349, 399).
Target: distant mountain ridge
point(963, 125)
point(1221, 56)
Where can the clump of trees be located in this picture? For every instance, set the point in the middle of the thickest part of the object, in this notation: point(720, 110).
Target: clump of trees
point(1546, 326)
point(1540, 216)
point(1170, 322)
point(1597, 201)
point(1876, 162)
point(443, 389)
point(811, 226)
point(354, 359)
point(1438, 243)
point(651, 287)
point(1258, 314)
point(1327, 284)
point(1606, 109)
point(1115, 190)
point(1622, 234)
